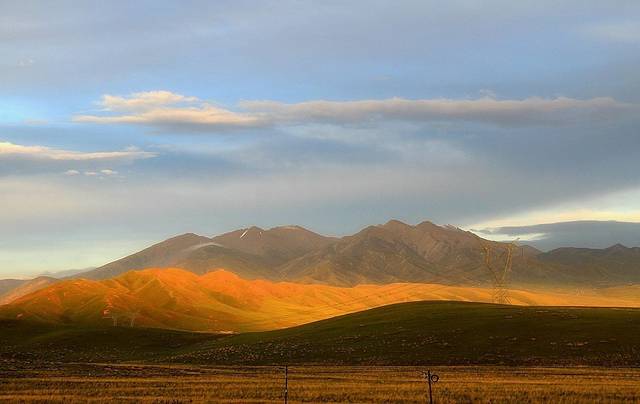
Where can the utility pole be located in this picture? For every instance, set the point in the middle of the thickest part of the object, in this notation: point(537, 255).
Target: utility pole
point(286, 384)
point(431, 378)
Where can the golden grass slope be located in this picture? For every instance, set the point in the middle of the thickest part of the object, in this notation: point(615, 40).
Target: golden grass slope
point(220, 301)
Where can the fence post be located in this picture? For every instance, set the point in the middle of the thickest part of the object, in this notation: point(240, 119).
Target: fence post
point(286, 384)
point(431, 378)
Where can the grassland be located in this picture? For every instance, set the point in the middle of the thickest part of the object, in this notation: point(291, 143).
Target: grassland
point(99, 383)
point(417, 333)
point(441, 333)
point(558, 355)
point(46, 343)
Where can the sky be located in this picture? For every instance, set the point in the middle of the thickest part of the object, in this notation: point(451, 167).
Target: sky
point(123, 123)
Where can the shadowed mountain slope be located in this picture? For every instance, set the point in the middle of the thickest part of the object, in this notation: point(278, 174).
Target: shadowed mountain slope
point(251, 253)
point(616, 264)
point(158, 255)
point(393, 252)
point(397, 252)
point(277, 245)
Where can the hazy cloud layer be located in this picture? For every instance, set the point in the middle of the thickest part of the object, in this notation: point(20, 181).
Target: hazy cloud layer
point(175, 111)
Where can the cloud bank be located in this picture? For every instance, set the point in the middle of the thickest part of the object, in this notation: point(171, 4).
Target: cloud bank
point(586, 234)
point(164, 109)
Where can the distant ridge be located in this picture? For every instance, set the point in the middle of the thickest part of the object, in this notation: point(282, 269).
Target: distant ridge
point(615, 265)
point(277, 245)
point(25, 287)
point(390, 252)
point(251, 253)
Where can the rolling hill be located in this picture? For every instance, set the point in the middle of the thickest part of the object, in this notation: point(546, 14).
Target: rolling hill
point(441, 333)
point(28, 342)
point(220, 301)
point(418, 333)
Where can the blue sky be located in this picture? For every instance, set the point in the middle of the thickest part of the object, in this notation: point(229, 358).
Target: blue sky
point(123, 123)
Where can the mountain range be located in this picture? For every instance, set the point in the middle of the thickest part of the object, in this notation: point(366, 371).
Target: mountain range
point(181, 286)
point(392, 252)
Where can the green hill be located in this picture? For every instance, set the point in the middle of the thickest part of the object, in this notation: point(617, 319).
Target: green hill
point(37, 342)
point(441, 333)
point(419, 333)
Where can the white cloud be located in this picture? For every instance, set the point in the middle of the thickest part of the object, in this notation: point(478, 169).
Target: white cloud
point(532, 110)
point(169, 110)
point(108, 172)
point(72, 172)
point(8, 149)
point(163, 108)
point(143, 100)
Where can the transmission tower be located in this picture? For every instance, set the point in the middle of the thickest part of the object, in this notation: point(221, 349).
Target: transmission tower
point(114, 317)
point(132, 316)
point(108, 313)
point(500, 272)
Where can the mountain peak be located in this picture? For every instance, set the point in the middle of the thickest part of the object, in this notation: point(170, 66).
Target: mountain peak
point(251, 231)
point(617, 247)
point(187, 237)
point(395, 222)
point(427, 224)
point(291, 227)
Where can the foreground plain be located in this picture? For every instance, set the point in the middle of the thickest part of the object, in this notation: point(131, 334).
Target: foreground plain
point(108, 383)
point(554, 354)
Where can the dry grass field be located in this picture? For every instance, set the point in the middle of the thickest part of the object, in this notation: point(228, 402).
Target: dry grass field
point(108, 383)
